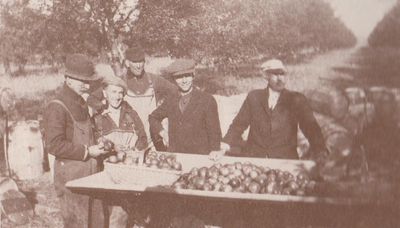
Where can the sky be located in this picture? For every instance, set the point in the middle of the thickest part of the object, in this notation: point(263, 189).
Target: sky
point(361, 16)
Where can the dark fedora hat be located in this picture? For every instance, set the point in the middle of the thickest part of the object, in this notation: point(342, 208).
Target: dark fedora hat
point(135, 54)
point(79, 66)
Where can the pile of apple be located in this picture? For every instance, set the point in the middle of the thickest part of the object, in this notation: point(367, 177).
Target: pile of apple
point(122, 158)
point(245, 178)
point(162, 161)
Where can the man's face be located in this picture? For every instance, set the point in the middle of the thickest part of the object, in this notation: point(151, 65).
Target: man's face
point(114, 95)
point(137, 68)
point(79, 86)
point(184, 82)
point(276, 82)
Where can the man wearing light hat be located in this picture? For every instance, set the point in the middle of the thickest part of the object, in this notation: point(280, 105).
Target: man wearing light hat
point(144, 92)
point(193, 122)
point(118, 114)
point(70, 138)
point(274, 115)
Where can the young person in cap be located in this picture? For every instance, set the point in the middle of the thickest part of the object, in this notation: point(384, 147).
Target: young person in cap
point(193, 127)
point(193, 122)
point(274, 115)
point(145, 91)
point(69, 137)
point(118, 115)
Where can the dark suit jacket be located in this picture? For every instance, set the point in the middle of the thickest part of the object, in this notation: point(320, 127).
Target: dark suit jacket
point(273, 133)
point(196, 130)
point(59, 127)
point(128, 120)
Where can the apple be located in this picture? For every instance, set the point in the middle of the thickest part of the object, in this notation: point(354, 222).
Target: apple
point(162, 157)
point(271, 187)
point(254, 187)
point(253, 174)
point(225, 180)
point(217, 186)
point(293, 185)
point(203, 171)
point(121, 155)
point(212, 181)
point(231, 168)
point(246, 182)
point(227, 188)
point(224, 171)
point(235, 182)
point(271, 177)
point(177, 166)
point(199, 182)
point(129, 161)
point(246, 170)
point(194, 171)
point(238, 165)
point(286, 191)
point(237, 172)
point(207, 187)
point(241, 189)
point(113, 159)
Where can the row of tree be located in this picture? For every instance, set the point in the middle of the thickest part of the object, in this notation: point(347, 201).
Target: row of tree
point(213, 32)
point(387, 31)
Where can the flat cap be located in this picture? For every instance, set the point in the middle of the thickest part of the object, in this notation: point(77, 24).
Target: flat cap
point(79, 66)
point(106, 72)
point(180, 67)
point(135, 54)
point(273, 66)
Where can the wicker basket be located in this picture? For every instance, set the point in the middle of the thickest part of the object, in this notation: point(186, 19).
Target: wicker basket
point(140, 175)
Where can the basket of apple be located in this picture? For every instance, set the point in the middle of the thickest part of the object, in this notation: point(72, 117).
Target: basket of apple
point(245, 178)
point(136, 167)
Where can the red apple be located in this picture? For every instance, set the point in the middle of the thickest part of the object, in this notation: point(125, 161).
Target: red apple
point(254, 187)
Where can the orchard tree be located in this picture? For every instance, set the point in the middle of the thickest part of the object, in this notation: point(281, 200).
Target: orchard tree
point(387, 31)
point(20, 32)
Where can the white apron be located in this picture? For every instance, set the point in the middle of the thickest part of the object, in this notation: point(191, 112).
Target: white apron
point(144, 105)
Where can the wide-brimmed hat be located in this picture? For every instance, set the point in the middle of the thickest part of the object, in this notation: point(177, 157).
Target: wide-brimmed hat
point(180, 67)
point(79, 66)
point(274, 66)
point(106, 72)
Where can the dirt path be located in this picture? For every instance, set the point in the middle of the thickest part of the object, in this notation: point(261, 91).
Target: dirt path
point(321, 70)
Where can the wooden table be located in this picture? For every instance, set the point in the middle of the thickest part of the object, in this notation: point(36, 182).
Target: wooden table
point(326, 211)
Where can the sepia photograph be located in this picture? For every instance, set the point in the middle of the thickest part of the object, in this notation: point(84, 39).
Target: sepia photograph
point(199, 113)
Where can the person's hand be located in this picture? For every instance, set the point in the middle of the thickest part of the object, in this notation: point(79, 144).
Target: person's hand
point(216, 155)
point(96, 150)
point(225, 147)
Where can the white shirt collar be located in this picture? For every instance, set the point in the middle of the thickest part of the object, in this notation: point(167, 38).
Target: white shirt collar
point(273, 98)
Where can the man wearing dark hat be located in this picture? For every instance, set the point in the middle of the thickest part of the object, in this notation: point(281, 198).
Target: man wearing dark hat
point(69, 137)
point(274, 115)
point(145, 91)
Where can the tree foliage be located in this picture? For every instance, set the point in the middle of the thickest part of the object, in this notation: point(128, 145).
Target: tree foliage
point(387, 31)
point(214, 32)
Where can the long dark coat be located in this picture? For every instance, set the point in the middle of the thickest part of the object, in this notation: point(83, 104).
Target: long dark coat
point(196, 130)
point(273, 133)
